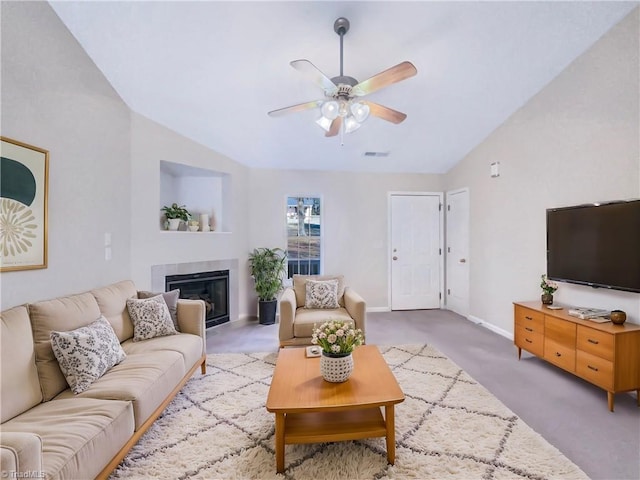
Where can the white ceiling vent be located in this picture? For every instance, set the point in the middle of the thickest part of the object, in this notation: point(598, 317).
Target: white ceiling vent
point(376, 154)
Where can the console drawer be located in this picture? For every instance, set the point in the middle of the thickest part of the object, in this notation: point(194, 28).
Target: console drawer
point(595, 369)
point(560, 354)
point(529, 340)
point(595, 342)
point(560, 331)
point(529, 318)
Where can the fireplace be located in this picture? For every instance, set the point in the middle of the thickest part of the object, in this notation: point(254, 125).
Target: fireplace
point(211, 287)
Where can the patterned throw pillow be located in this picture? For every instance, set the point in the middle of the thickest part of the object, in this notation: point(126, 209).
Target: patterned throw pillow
point(150, 318)
point(171, 299)
point(321, 294)
point(86, 353)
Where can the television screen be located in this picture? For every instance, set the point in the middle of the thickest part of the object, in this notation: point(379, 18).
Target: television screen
point(595, 244)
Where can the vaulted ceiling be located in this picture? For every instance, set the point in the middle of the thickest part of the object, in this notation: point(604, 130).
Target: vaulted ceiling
point(211, 71)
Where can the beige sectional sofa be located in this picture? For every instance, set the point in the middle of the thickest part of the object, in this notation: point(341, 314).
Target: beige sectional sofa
point(48, 431)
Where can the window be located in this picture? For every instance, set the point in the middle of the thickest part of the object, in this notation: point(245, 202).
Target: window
point(303, 235)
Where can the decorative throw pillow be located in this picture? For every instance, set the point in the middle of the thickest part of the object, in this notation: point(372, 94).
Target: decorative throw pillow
point(150, 318)
point(86, 353)
point(321, 294)
point(171, 299)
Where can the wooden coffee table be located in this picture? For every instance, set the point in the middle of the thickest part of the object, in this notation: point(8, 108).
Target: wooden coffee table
point(311, 410)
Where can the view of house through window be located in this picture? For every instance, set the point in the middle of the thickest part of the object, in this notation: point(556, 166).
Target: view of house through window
point(303, 235)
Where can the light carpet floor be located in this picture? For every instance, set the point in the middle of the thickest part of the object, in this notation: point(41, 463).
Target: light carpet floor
point(449, 426)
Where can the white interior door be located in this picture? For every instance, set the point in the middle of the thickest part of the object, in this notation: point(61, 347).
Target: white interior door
point(415, 251)
point(457, 255)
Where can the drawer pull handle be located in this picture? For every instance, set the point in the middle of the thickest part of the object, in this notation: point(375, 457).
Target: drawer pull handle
point(528, 318)
point(558, 354)
point(592, 368)
point(527, 340)
point(528, 329)
point(591, 340)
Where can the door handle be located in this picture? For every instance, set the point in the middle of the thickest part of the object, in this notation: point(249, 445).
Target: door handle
point(463, 260)
point(395, 258)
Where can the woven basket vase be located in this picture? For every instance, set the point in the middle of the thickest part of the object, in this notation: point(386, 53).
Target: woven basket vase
point(334, 368)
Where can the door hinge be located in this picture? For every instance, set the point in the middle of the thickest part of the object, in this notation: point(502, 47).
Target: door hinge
point(448, 249)
point(440, 296)
point(439, 251)
point(439, 207)
point(448, 291)
point(448, 208)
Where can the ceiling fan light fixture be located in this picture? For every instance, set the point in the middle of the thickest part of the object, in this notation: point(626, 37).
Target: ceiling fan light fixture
point(351, 124)
point(330, 109)
point(325, 123)
point(360, 111)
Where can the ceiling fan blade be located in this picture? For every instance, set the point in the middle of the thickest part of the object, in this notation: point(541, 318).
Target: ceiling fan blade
point(335, 127)
point(312, 72)
point(295, 108)
point(400, 72)
point(385, 113)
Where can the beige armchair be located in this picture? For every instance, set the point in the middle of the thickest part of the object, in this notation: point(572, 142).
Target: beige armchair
point(297, 319)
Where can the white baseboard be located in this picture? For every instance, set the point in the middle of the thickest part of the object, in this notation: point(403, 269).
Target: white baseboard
point(378, 309)
point(491, 327)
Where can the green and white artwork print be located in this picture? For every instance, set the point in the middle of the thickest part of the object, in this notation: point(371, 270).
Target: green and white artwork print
point(23, 206)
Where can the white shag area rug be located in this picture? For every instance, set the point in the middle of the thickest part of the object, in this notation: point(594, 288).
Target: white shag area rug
point(448, 427)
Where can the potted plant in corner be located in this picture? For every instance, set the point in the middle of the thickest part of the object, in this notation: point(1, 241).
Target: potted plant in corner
point(175, 214)
point(267, 268)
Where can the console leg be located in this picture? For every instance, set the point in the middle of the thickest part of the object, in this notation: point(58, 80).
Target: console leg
point(610, 397)
point(519, 353)
point(389, 418)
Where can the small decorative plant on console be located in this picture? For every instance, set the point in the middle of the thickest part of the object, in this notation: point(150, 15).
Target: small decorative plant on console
point(548, 289)
point(337, 339)
point(175, 214)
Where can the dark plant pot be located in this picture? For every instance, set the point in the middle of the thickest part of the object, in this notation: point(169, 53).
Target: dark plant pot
point(618, 317)
point(547, 299)
point(267, 311)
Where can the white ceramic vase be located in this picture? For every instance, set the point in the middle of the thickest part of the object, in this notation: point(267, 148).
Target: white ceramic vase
point(336, 368)
point(174, 223)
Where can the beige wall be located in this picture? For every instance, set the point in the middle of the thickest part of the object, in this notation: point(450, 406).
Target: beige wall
point(577, 141)
point(54, 97)
point(355, 219)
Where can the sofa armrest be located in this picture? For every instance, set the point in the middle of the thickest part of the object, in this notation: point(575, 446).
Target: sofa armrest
point(357, 308)
point(287, 314)
point(21, 455)
point(191, 319)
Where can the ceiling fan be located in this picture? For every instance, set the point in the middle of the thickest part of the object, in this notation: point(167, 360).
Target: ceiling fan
point(343, 109)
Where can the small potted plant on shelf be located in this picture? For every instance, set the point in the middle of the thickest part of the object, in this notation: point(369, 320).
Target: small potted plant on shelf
point(194, 225)
point(176, 214)
point(548, 289)
point(267, 268)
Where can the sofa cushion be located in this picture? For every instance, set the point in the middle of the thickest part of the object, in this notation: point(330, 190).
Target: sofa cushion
point(20, 388)
point(146, 380)
point(112, 301)
point(60, 314)
point(299, 286)
point(189, 346)
point(321, 294)
point(86, 353)
point(79, 435)
point(150, 317)
point(307, 318)
point(170, 298)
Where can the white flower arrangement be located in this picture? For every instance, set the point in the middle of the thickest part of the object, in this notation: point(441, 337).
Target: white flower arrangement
point(337, 337)
point(548, 287)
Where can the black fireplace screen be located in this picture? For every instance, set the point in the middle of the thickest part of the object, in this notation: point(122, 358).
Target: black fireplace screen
point(211, 287)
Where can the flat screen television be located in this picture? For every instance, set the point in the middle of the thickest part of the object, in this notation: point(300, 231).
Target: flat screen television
point(595, 244)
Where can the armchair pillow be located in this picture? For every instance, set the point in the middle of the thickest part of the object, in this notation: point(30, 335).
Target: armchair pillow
point(86, 353)
point(321, 294)
point(150, 317)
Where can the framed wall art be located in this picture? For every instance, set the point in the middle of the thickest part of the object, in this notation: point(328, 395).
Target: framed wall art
point(24, 177)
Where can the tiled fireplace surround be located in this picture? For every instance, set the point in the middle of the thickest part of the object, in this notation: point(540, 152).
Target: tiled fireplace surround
point(159, 272)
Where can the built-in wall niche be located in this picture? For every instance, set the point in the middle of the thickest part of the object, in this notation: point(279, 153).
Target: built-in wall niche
point(201, 190)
